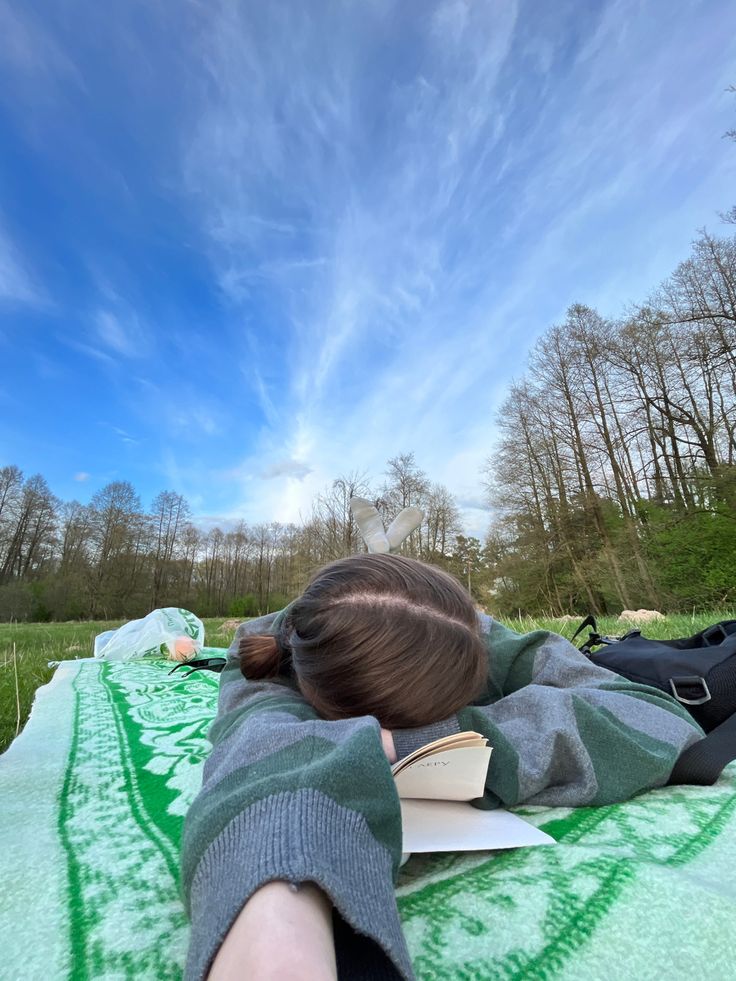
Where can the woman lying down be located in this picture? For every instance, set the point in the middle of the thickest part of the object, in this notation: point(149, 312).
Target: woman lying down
point(292, 847)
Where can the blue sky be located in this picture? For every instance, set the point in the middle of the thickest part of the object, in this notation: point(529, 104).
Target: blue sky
point(247, 247)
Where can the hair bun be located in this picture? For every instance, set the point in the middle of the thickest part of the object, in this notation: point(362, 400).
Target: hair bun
point(260, 656)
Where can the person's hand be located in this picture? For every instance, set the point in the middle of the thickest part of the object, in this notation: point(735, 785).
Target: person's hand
point(387, 741)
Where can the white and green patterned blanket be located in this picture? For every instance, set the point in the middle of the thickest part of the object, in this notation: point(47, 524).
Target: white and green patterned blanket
point(93, 795)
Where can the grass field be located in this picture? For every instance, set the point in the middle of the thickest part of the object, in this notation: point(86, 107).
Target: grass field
point(26, 649)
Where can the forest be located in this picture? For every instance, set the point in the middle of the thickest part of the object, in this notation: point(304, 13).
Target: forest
point(610, 483)
point(614, 481)
point(112, 558)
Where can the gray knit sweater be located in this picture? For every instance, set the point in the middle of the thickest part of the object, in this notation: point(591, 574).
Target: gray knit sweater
point(287, 795)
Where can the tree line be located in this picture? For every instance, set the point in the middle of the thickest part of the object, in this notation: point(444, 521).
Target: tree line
point(113, 558)
point(614, 480)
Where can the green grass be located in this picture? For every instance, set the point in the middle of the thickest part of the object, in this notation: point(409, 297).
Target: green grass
point(26, 649)
point(673, 625)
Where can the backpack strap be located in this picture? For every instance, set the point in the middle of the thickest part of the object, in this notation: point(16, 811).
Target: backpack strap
point(702, 762)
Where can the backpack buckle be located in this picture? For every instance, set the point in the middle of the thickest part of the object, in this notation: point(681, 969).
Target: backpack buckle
point(714, 635)
point(688, 683)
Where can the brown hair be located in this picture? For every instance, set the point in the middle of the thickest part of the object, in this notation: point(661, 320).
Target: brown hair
point(380, 635)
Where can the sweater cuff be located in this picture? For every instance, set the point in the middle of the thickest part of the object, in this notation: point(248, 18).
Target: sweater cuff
point(407, 740)
point(300, 836)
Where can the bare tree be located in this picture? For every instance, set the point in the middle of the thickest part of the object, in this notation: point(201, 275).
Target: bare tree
point(117, 532)
point(31, 527)
point(169, 514)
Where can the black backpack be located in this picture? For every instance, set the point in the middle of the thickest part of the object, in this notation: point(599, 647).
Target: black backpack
point(699, 671)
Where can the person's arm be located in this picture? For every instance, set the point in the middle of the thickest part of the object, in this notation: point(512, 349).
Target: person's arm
point(280, 935)
point(564, 731)
point(289, 797)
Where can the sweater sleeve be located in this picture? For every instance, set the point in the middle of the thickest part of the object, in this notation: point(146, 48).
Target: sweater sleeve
point(564, 731)
point(289, 796)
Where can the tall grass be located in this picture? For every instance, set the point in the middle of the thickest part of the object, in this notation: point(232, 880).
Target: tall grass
point(26, 649)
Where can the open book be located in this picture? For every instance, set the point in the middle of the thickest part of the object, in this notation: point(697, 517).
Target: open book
point(436, 781)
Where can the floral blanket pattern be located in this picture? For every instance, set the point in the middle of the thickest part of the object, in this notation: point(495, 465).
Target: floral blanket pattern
point(93, 796)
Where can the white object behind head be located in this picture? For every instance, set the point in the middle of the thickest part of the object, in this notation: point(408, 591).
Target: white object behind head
point(371, 527)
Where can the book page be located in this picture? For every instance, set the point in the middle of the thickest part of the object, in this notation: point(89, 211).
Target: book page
point(455, 774)
point(449, 826)
point(457, 739)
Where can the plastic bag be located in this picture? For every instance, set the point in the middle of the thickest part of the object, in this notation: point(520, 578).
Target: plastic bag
point(171, 632)
point(101, 640)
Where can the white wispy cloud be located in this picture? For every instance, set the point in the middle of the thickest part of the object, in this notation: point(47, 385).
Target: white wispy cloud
point(417, 224)
point(89, 350)
point(286, 468)
point(112, 333)
point(122, 332)
point(30, 53)
point(125, 436)
point(195, 416)
point(16, 282)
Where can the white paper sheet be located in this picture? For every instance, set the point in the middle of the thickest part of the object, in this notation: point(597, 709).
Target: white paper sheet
point(450, 826)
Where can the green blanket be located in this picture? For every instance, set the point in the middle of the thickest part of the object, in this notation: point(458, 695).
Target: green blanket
point(95, 789)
